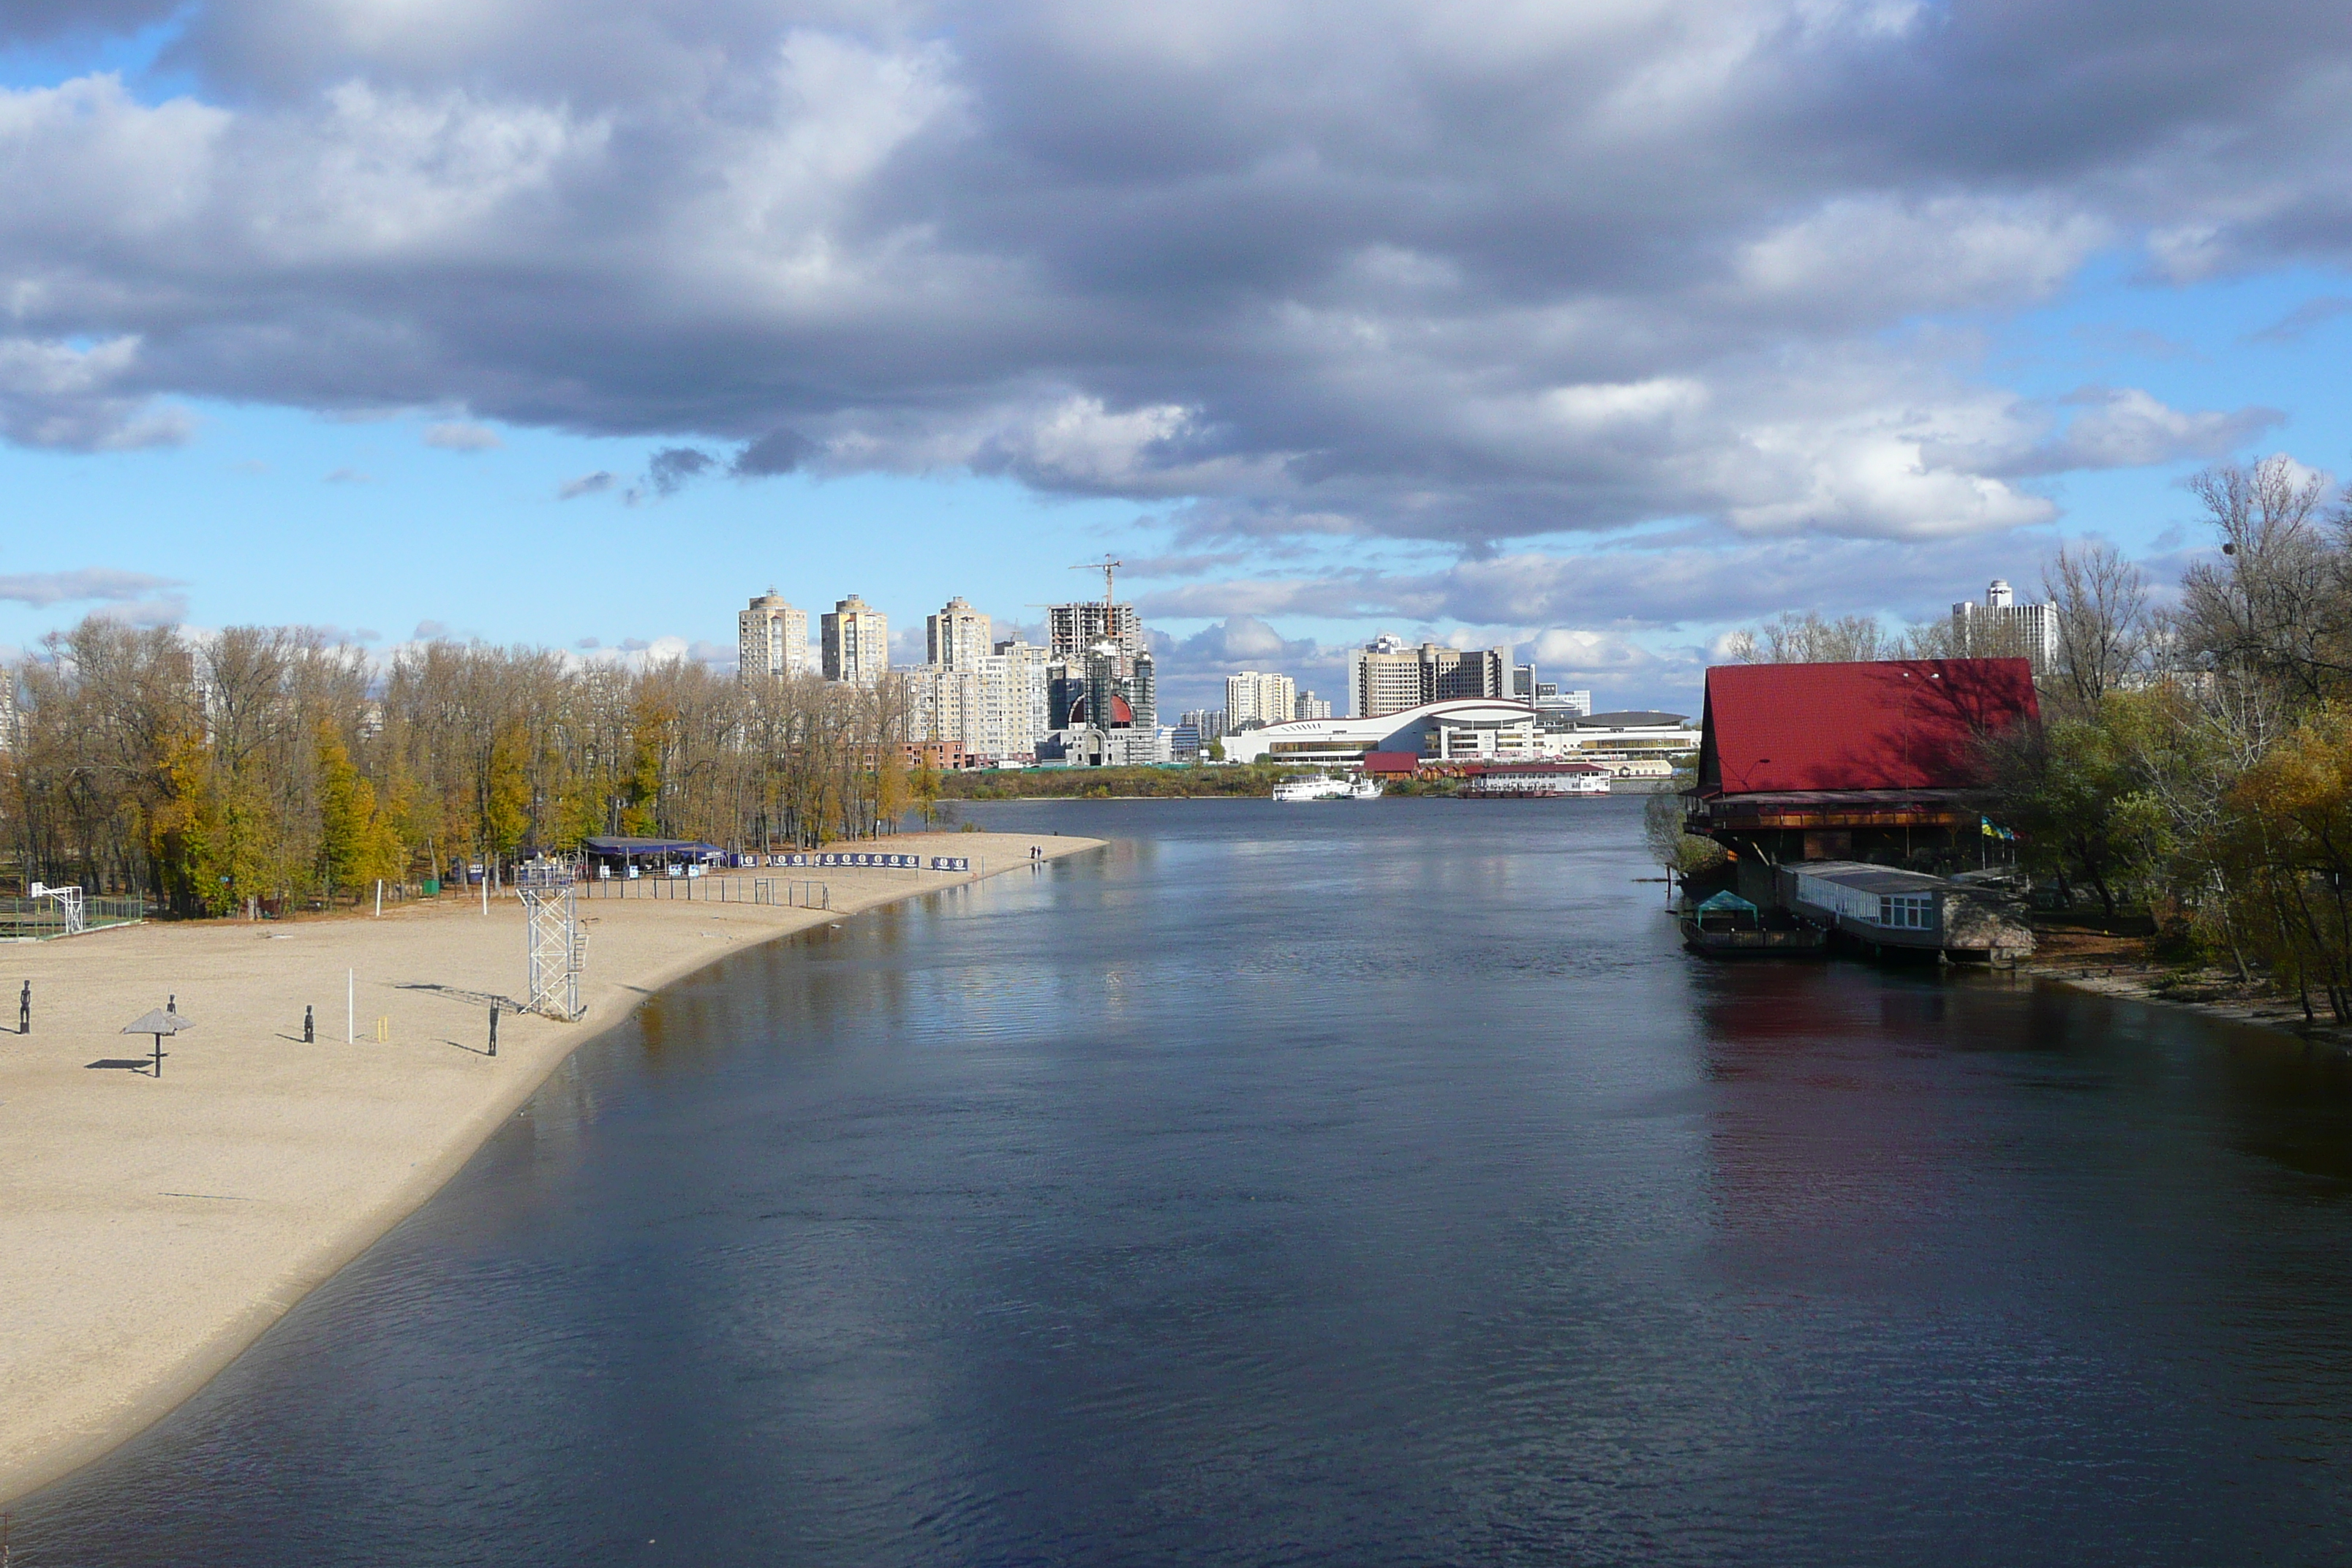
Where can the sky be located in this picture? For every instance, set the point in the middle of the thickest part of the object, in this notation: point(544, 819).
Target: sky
point(1598, 329)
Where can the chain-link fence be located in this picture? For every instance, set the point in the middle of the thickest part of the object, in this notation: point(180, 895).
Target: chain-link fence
point(38, 919)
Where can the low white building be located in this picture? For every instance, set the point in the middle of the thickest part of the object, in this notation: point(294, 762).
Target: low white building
point(1478, 730)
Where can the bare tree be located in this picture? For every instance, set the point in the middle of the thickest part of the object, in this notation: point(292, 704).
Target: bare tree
point(1792, 638)
point(2276, 605)
point(2100, 598)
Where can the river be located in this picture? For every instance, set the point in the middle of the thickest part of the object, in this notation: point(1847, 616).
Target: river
point(1347, 1184)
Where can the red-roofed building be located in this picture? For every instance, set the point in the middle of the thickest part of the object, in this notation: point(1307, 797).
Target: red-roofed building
point(1845, 762)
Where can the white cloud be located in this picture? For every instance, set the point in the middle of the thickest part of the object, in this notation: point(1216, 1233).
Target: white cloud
point(462, 438)
point(42, 589)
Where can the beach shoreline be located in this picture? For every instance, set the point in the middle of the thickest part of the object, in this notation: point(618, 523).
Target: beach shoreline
point(156, 1227)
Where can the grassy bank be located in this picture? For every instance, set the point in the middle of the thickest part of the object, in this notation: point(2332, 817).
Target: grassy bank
point(1103, 783)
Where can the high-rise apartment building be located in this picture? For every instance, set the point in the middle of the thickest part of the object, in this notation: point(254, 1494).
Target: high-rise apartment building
point(1310, 705)
point(1209, 722)
point(942, 704)
point(856, 640)
point(1013, 700)
point(771, 640)
point(958, 636)
point(1251, 697)
point(1387, 676)
point(2000, 627)
point(1072, 630)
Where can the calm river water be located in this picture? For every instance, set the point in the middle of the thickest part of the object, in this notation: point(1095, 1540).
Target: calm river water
point(1342, 1184)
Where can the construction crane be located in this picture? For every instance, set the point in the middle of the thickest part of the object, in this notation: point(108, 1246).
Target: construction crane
point(1109, 564)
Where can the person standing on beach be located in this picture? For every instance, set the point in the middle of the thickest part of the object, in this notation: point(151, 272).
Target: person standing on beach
point(24, 1010)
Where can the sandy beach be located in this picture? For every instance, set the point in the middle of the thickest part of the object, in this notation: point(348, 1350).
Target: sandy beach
point(152, 1228)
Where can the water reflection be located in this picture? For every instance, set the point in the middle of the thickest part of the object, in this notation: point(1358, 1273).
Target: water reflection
point(1336, 1185)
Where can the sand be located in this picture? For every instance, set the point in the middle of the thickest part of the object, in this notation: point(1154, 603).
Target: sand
point(151, 1227)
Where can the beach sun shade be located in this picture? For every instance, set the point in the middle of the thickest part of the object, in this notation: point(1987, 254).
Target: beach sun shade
point(162, 1021)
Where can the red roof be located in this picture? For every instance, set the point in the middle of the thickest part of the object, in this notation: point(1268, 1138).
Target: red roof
point(1910, 723)
point(1391, 762)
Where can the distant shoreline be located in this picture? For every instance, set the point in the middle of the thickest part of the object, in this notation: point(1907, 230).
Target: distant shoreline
point(177, 1219)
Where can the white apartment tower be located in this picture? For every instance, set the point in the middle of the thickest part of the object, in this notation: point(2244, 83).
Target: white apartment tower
point(1385, 676)
point(1310, 705)
point(2000, 627)
point(1015, 707)
point(856, 642)
point(958, 636)
point(771, 640)
point(1267, 699)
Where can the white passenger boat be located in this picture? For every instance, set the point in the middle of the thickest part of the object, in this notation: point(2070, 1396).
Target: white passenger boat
point(1365, 789)
point(1316, 788)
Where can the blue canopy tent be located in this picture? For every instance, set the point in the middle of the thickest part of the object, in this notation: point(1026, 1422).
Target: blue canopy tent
point(1730, 907)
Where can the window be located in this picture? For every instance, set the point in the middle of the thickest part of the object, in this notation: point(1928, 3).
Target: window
point(1908, 912)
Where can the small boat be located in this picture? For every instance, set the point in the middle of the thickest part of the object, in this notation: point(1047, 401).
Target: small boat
point(1315, 788)
point(1365, 788)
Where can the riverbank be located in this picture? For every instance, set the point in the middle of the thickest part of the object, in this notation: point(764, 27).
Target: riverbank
point(154, 1227)
point(2116, 964)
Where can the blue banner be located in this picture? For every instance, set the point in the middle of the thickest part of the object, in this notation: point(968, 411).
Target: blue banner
point(950, 863)
point(860, 857)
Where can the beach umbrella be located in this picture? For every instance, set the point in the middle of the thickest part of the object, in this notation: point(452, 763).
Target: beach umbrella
point(162, 1021)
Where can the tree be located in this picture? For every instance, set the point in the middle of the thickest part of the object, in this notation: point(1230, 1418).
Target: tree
point(1664, 818)
point(2292, 856)
point(925, 786)
point(2279, 603)
point(1807, 638)
point(2101, 602)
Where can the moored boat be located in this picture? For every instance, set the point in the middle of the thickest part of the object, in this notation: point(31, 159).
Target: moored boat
point(1318, 788)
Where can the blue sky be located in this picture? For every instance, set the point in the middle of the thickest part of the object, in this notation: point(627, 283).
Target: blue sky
point(318, 310)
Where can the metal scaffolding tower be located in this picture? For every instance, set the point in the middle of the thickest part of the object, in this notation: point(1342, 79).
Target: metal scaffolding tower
point(558, 951)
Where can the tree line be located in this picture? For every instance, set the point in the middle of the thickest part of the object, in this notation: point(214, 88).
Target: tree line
point(2194, 760)
point(272, 762)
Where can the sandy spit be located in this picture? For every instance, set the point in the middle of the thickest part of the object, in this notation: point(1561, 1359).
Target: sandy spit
point(151, 1227)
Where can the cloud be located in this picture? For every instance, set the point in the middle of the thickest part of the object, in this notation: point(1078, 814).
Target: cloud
point(777, 452)
point(349, 477)
point(42, 589)
point(427, 631)
point(586, 485)
point(1656, 584)
point(670, 468)
point(2123, 428)
point(1315, 273)
point(79, 398)
point(461, 437)
point(2299, 322)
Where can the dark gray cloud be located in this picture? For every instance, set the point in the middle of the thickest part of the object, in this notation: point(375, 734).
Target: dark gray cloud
point(671, 469)
point(777, 452)
point(1378, 269)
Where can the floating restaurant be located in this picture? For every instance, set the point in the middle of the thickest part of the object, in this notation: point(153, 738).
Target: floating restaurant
point(1849, 796)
